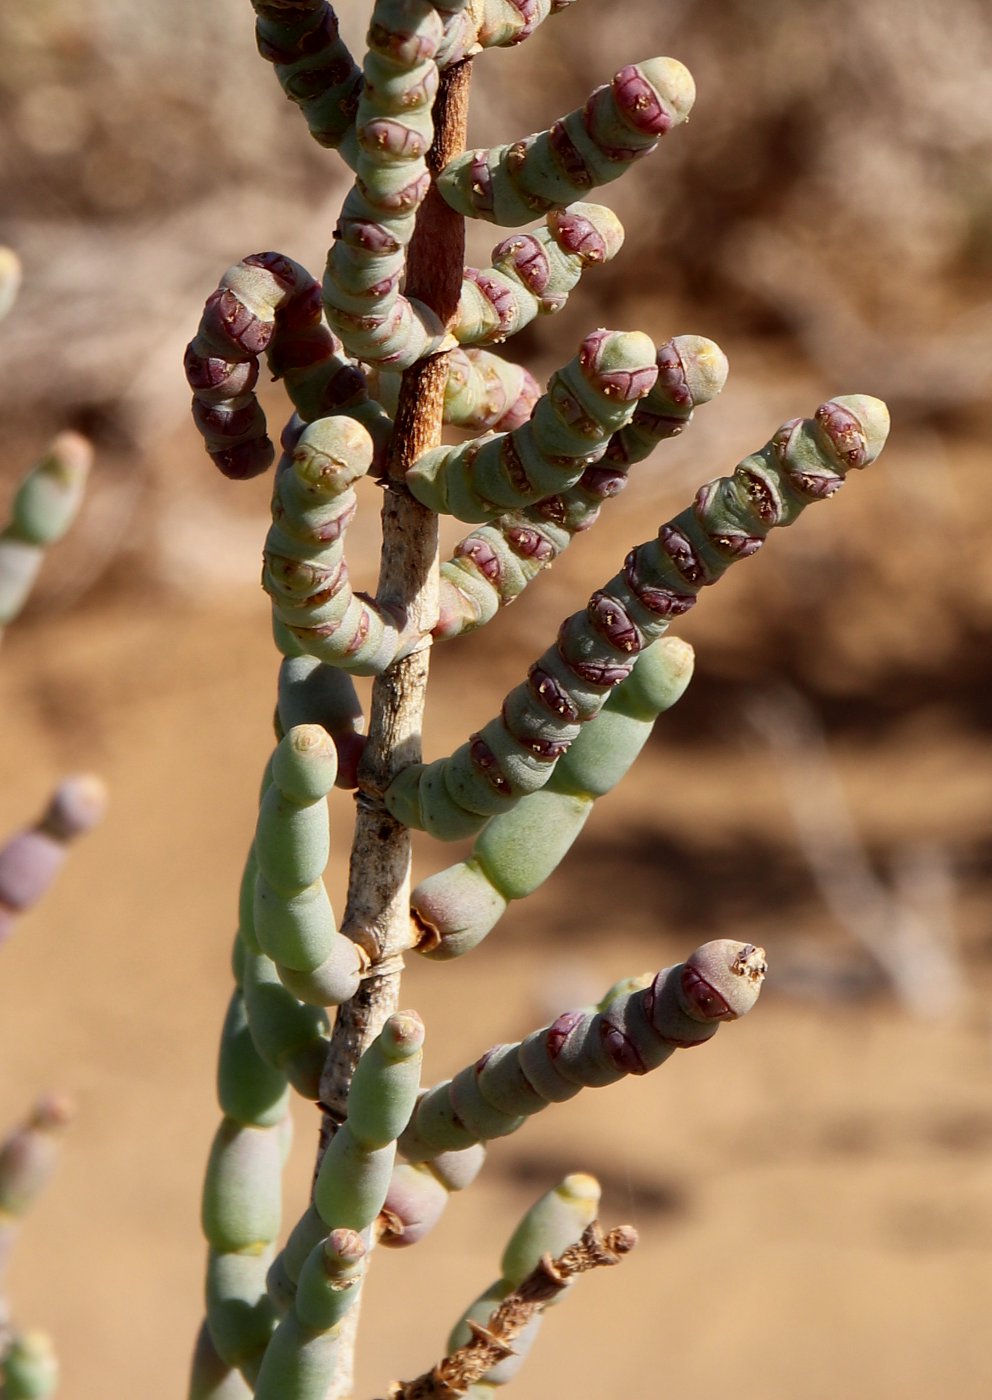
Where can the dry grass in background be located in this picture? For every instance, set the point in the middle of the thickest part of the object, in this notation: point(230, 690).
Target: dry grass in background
point(825, 216)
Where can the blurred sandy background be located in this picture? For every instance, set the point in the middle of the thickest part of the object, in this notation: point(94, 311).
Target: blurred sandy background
point(814, 1190)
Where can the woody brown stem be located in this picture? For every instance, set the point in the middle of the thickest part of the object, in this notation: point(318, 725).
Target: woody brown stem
point(377, 914)
point(489, 1345)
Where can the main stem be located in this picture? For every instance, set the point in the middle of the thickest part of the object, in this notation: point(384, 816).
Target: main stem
point(377, 913)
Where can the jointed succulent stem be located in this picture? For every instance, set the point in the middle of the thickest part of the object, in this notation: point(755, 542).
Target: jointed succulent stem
point(495, 563)
point(390, 348)
point(532, 274)
point(518, 850)
point(619, 123)
point(515, 754)
point(301, 39)
point(636, 1032)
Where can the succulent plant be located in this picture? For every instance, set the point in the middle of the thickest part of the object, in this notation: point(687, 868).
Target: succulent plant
point(393, 344)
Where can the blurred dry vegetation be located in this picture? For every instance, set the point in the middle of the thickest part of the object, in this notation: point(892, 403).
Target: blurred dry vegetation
point(827, 217)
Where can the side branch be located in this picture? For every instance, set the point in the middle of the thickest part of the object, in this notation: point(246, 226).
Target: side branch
point(456, 1373)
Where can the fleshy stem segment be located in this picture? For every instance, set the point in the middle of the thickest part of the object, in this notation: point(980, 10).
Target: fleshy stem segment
point(619, 123)
point(365, 265)
point(305, 572)
point(636, 1032)
point(268, 304)
point(515, 754)
point(586, 403)
point(349, 1193)
point(293, 919)
point(532, 274)
point(495, 563)
point(518, 850)
point(28, 1365)
point(419, 1191)
point(302, 40)
point(483, 391)
point(377, 909)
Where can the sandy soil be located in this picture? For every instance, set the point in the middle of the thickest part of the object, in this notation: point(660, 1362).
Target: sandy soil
point(813, 1190)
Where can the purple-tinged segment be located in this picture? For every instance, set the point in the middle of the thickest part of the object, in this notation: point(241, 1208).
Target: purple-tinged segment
point(678, 548)
point(608, 361)
point(609, 619)
point(639, 102)
point(485, 762)
point(498, 295)
point(575, 233)
point(414, 1204)
point(846, 434)
point(528, 543)
point(721, 979)
point(524, 255)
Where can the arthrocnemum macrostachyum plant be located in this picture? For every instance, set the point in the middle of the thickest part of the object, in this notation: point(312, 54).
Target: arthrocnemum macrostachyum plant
point(390, 347)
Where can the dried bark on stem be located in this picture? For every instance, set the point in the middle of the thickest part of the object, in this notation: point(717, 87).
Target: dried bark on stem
point(454, 1375)
point(377, 914)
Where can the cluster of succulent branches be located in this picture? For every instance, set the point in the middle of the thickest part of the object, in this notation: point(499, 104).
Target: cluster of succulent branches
point(392, 345)
point(44, 506)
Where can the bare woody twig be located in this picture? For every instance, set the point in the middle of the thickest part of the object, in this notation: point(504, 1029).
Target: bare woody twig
point(453, 1375)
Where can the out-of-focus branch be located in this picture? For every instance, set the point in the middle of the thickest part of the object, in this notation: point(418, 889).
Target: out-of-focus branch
point(906, 925)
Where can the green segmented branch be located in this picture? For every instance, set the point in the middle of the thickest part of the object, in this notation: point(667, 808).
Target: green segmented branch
point(210, 1377)
point(394, 128)
point(305, 572)
point(293, 920)
point(349, 1192)
point(27, 1159)
point(470, 25)
point(302, 1357)
point(461, 29)
point(514, 754)
point(684, 1005)
point(504, 23)
point(240, 1217)
point(495, 563)
point(270, 1037)
point(555, 1221)
point(268, 304)
point(485, 392)
point(518, 850)
point(419, 1191)
point(288, 1036)
point(619, 123)
point(533, 273)
point(312, 692)
point(691, 371)
point(586, 402)
point(354, 1174)
point(301, 39)
point(45, 505)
